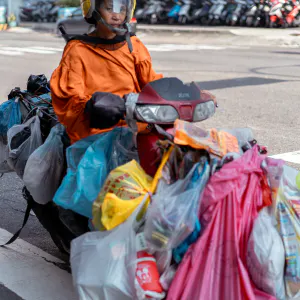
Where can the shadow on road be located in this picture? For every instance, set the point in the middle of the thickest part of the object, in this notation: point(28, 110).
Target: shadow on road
point(236, 82)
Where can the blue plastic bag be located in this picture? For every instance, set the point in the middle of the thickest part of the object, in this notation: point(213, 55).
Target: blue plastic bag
point(10, 115)
point(199, 179)
point(89, 162)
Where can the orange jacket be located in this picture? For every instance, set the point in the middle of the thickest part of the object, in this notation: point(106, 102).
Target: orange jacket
point(86, 69)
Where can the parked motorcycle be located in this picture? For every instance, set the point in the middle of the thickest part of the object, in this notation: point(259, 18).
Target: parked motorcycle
point(215, 12)
point(293, 17)
point(51, 11)
point(201, 14)
point(262, 17)
point(173, 14)
point(157, 12)
point(26, 11)
point(233, 18)
point(248, 17)
point(186, 12)
point(227, 11)
point(277, 14)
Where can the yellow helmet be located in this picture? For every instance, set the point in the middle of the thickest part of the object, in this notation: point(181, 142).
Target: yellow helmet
point(89, 8)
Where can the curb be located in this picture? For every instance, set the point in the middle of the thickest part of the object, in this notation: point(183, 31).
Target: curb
point(185, 29)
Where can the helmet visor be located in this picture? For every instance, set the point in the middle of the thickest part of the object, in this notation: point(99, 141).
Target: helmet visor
point(116, 6)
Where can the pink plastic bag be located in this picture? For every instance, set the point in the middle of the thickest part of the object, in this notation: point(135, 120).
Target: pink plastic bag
point(215, 266)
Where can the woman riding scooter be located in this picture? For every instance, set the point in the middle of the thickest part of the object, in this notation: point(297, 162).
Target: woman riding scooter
point(96, 70)
point(93, 75)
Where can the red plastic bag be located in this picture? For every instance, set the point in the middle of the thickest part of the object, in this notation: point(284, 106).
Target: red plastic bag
point(215, 266)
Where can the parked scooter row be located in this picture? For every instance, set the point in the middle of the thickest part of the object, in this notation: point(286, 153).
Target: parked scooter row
point(39, 11)
point(256, 13)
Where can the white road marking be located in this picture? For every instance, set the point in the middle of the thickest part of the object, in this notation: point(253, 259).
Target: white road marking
point(29, 50)
point(178, 47)
point(292, 157)
point(11, 53)
point(48, 48)
point(31, 274)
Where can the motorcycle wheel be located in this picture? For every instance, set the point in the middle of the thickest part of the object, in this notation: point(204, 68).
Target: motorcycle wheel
point(183, 20)
point(171, 21)
point(153, 19)
point(272, 24)
point(249, 21)
point(233, 22)
point(256, 23)
point(242, 21)
point(267, 21)
point(49, 216)
point(285, 25)
point(228, 20)
point(204, 20)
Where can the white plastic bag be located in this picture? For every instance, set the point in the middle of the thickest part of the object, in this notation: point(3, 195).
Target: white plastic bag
point(172, 216)
point(266, 255)
point(4, 154)
point(44, 168)
point(104, 263)
point(22, 141)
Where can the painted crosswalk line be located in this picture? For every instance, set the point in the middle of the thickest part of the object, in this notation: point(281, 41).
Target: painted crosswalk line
point(292, 157)
point(33, 274)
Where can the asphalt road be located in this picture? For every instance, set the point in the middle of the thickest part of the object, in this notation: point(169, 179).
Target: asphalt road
point(256, 87)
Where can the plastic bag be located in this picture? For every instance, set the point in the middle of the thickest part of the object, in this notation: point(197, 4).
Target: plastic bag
point(288, 217)
point(37, 84)
point(4, 155)
point(266, 256)
point(167, 277)
point(104, 263)
point(215, 266)
point(89, 162)
point(179, 252)
point(44, 169)
point(124, 189)
point(10, 115)
point(163, 260)
point(218, 143)
point(23, 140)
point(172, 216)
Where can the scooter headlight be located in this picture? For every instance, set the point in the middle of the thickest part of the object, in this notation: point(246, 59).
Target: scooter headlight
point(204, 111)
point(267, 8)
point(157, 113)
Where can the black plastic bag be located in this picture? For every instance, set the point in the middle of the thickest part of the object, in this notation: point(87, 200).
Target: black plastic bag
point(38, 84)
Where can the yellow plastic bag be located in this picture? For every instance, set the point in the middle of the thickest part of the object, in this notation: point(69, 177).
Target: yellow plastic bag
point(124, 189)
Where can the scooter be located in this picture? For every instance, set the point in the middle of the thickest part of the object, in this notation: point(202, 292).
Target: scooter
point(51, 11)
point(140, 10)
point(159, 104)
point(201, 14)
point(174, 12)
point(262, 17)
point(227, 11)
point(234, 17)
point(25, 13)
point(186, 12)
point(216, 12)
point(276, 14)
point(156, 12)
point(250, 14)
point(293, 17)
